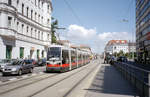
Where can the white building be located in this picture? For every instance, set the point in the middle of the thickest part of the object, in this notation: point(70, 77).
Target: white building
point(115, 46)
point(25, 27)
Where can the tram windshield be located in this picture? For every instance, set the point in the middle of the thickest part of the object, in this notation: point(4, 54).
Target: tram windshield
point(54, 53)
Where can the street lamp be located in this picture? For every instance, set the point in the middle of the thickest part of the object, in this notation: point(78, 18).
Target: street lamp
point(132, 43)
point(59, 29)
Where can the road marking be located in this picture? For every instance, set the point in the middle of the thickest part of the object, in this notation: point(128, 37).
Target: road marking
point(34, 74)
point(41, 72)
point(25, 76)
point(12, 79)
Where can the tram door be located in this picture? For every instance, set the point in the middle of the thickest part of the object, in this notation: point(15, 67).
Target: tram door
point(65, 58)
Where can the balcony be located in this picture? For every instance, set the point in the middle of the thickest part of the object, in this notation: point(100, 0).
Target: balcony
point(8, 33)
point(6, 7)
point(31, 39)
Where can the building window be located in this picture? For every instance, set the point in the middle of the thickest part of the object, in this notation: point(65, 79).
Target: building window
point(47, 8)
point(31, 32)
point(35, 2)
point(42, 5)
point(8, 52)
point(42, 36)
point(42, 53)
point(48, 37)
point(9, 2)
point(17, 2)
point(35, 33)
point(39, 18)
point(42, 20)
point(17, 25)
point(22, 28)
point(48, 22)
point(31, 14)
point(35, 16)
point(39, 35)
point(27, 29)
point(27, 11)
point(38, 54)
point(9, 21)
point(22, 9)
point(39, 3)
point(21, 52)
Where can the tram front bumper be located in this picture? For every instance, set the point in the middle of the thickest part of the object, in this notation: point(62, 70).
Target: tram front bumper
point(53, 69)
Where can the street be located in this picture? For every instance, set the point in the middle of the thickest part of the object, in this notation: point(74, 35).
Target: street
point(50, 84)
point(36, 71)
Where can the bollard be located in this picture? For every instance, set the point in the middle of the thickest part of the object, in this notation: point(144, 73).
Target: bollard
point(148, 88)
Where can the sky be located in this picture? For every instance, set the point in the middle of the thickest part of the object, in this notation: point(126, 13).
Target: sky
point(95, 22)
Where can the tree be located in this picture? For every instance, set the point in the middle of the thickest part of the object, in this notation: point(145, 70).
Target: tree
point(120, 53)
point(127, 54)
point(54, 26)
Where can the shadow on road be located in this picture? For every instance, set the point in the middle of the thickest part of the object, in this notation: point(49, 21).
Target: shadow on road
point(109, 81)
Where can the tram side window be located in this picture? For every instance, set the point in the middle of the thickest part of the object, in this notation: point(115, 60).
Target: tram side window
point(65, 57)
point(80, 57)
point(73, 56)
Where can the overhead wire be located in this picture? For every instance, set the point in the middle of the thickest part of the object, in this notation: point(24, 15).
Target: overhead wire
point(73, 12)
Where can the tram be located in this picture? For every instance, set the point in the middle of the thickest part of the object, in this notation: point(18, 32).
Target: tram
point(62, 59)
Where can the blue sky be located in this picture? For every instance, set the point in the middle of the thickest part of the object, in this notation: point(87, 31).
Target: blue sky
point(103, 16)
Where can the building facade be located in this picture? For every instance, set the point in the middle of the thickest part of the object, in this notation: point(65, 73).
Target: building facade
point(25, 27)
point(143, 29)
point(115, 46)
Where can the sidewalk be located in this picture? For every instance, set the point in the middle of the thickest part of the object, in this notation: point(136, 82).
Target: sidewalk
point(109, 83)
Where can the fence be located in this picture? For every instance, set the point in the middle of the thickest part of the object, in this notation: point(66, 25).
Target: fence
point(138, 77)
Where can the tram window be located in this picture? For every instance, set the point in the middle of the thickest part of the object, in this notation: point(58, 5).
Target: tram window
point(80, 57)
point(73, 56)
point(65, 57)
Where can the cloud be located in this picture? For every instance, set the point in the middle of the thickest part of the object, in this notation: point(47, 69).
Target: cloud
point(79, 32)
point(114, 35)
point(97, 41)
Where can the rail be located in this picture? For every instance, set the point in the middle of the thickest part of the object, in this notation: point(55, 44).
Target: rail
point(138, 77)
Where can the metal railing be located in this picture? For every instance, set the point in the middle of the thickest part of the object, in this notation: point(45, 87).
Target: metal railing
point(138, 77)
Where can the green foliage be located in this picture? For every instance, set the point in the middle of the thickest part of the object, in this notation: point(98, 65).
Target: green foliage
point(54, 26)
point(120, 53)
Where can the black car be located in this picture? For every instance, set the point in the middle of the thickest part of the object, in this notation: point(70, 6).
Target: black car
point(122, 59)
point(18, 67)
point(41, 62)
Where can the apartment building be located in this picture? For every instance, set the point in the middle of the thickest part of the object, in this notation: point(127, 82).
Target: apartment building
point(25, 27)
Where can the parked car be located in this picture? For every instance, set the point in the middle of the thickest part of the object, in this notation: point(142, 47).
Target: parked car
point(112, 60)
point(41, 62)
point(4, 62)
point(18, 67)
point(122, 59)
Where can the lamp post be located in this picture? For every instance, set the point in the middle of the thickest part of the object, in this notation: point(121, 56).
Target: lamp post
point(131, 44)
point(59, 29)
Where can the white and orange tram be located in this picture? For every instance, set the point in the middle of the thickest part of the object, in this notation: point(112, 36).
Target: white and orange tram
point(60, 58)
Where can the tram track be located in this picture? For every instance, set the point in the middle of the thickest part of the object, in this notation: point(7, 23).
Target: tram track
point(27, 83)
point(67, 93)
point(65, 78)
point(36, 81)
point(22, 79)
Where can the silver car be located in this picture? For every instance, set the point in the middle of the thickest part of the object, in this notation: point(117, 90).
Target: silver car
point(18, 67)
point(3, 63)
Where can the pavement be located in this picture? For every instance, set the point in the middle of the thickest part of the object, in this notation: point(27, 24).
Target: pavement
point(108, 82)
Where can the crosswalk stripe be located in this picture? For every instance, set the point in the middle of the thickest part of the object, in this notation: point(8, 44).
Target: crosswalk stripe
point(12, 79)
point(34, 74)
point(25, 76)
point(41, 72)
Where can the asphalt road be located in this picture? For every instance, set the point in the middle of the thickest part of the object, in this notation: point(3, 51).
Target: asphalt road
point(66, 84)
